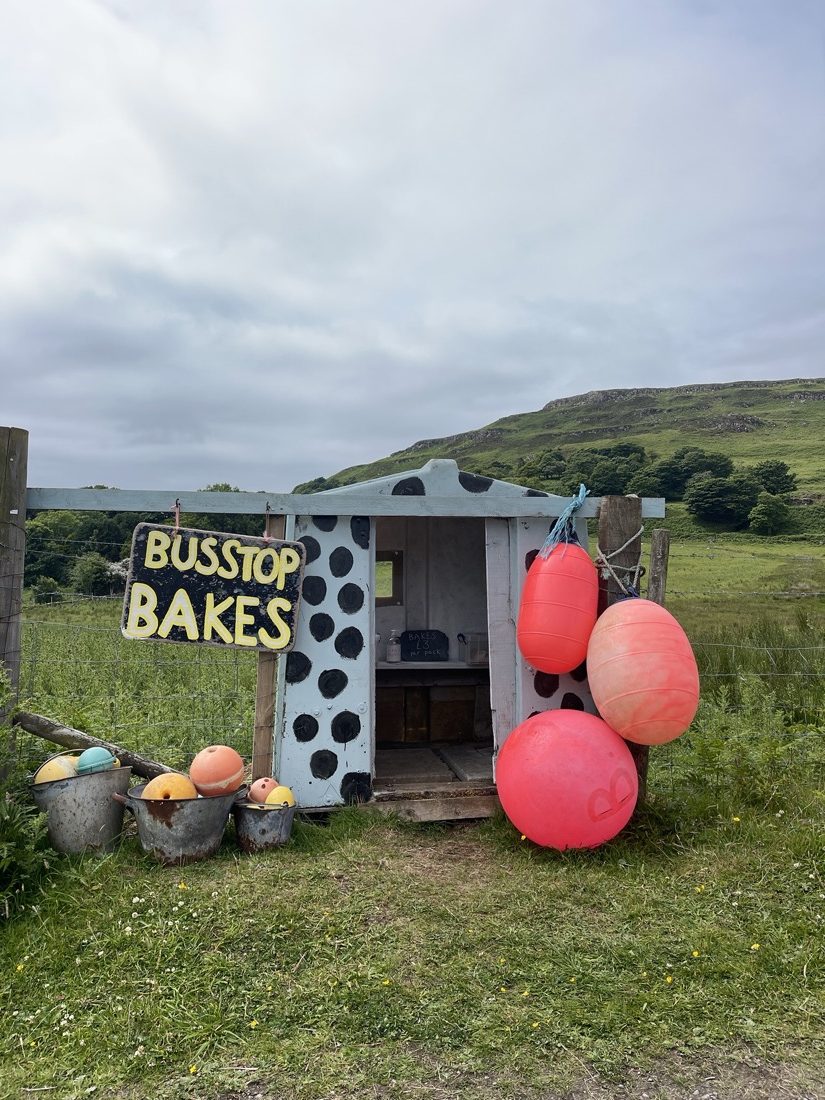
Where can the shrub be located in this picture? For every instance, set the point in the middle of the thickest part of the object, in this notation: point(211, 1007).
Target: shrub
point(23, 850)
point(770, 515)
point(90, 575)
point(47, 590)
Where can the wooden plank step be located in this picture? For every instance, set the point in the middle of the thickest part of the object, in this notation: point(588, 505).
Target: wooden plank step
point(470, 764)
point(438, 807)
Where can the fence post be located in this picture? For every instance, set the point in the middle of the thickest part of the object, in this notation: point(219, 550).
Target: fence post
point(265, 686)
point(620, 540)
point(659, 555)
point(14, 449)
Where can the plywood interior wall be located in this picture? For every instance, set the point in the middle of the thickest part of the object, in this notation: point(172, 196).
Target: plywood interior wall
point(444, 577)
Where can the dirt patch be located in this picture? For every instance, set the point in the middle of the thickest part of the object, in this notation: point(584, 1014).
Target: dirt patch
point(674, 1078)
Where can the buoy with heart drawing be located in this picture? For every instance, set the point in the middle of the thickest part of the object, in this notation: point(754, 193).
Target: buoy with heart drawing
point(565, 779)
point(642, 672)
point(559, 599)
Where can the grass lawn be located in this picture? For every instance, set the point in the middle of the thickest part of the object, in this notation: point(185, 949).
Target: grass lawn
point(371, 959)
point(376, 960)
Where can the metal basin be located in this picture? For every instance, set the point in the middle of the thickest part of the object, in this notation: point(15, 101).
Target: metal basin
point(180, 830)
point(261, 828)
point(82, 814)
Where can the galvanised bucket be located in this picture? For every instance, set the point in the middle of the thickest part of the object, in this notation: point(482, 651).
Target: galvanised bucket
point(258, 828)
point(81, 812)
point(180, 830)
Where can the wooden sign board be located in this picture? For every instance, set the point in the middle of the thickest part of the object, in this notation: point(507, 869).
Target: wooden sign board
point(216, 589)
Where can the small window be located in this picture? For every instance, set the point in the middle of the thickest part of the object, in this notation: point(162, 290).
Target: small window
point(389, 578)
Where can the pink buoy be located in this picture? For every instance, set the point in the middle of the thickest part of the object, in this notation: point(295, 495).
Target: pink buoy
point(642, 672)
point(558, 609)
point(566, 780)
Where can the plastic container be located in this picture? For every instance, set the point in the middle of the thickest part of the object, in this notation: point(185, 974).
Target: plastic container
point(393, 647)
point(473, 649)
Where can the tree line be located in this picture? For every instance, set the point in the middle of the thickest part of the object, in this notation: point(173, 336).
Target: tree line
point(85, 551)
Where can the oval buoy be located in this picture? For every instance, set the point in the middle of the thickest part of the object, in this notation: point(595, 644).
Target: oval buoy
point(566, 780)
point(558, 609)
point(642, 672)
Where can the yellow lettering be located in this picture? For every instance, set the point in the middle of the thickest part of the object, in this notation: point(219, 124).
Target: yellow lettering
point(290, 560)
point(208, 550)
point(157, 544)
point(212, 618)
point(191, 553)
point(247, 553)
point(141, 621)
point(243, 618)
point(180, 613)
point(276, 605)
point(230, 570)
point(260, 576)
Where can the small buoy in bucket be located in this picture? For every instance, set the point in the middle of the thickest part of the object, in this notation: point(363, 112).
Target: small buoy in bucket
point(59, 767)
point(170, 785)
point(217, 770)
point(95, 759)
point(261, 788)
point(280, 796)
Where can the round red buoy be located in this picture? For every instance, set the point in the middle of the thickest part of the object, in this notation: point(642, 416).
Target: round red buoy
point(642, 672)
point(566, 780)
point(558, 609)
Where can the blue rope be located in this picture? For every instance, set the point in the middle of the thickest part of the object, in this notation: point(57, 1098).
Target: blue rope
point(563, 530)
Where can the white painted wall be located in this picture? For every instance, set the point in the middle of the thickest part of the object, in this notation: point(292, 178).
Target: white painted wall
point(445, 586)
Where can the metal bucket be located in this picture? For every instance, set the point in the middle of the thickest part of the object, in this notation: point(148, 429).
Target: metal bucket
point(81, 813)
point(180, 830)
point(258, 828)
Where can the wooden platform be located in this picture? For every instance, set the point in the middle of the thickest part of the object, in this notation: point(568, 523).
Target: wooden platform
point(439, 782)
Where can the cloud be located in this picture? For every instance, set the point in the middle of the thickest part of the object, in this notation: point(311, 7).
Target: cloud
point(262, 241)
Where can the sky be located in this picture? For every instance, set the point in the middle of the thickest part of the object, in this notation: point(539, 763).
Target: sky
point(259, 242)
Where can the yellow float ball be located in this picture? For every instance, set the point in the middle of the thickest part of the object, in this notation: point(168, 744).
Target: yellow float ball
point(280, 796)
point(171, 785)
point(59, 767)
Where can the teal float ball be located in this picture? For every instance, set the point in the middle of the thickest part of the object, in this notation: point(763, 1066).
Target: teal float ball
point(96, 759)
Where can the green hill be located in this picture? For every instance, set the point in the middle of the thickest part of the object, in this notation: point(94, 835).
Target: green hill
point(748, 421)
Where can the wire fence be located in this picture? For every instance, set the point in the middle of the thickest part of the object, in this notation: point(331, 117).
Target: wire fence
point(167, 701)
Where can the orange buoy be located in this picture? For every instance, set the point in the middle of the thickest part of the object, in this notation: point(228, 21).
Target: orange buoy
point(642, 672)
point(217, 770)
point(558, 609)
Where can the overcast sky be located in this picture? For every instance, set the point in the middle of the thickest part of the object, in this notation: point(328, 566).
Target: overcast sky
point(259, 242)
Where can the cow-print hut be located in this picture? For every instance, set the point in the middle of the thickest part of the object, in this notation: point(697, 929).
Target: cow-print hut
point(405, 678)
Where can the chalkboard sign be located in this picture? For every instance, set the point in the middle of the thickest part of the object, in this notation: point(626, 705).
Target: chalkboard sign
point(424, 645)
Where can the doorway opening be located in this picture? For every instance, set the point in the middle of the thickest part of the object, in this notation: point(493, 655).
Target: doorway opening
point(433, 721)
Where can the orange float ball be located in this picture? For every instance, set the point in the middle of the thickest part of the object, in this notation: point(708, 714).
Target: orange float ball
point(171, 785)
point(261, 788)
point(642, 672)
point(216, 770)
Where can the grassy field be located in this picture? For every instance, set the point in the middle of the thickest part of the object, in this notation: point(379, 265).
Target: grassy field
point(376, 960)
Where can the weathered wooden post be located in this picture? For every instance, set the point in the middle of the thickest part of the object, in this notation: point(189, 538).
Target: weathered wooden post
point(265, 685)
point(657, 575)
point(14, 449)
point(620, 545)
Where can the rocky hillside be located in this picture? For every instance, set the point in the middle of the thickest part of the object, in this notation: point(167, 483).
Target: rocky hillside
point(748, 421)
